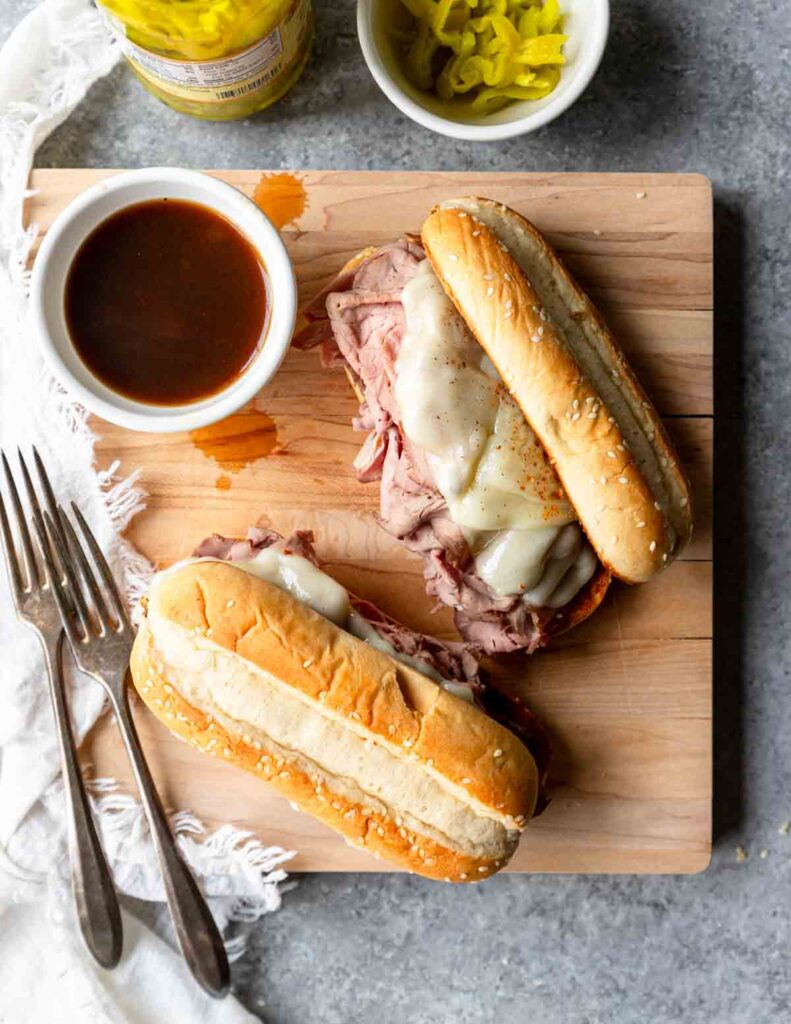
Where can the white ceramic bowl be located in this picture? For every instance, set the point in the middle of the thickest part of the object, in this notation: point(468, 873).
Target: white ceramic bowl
point(586, 23)
point(67, 234)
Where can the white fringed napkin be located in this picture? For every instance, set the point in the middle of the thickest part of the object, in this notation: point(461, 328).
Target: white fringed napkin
point(46, 67)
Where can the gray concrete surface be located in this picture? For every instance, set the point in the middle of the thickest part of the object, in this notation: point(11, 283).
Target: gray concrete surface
point(702, 87)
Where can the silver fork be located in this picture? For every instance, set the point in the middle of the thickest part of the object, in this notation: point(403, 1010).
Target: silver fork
point(101, 639)
point(97, 905)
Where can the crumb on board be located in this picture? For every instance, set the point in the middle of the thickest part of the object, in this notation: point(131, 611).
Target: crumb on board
point(741, 854)
point(763, 854)
point(641, 195)
point(785, 828)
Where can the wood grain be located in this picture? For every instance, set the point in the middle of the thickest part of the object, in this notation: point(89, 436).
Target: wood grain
point(627, 696)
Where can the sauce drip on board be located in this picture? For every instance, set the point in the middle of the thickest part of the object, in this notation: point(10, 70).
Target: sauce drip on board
point(166, 302)
point(281, 197)
point(235, 442)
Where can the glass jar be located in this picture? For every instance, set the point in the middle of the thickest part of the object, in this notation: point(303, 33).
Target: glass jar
point(214, 59)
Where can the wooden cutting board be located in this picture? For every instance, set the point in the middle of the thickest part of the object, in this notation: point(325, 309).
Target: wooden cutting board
point(627, 697)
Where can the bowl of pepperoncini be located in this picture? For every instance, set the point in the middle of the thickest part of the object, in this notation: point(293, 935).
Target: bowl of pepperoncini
point(483, 70)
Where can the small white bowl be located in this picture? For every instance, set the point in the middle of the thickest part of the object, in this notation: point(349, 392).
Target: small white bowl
point(70, 230)
point(586, 22)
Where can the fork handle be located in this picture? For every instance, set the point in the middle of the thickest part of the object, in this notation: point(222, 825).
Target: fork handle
point(197, 934)
point(97, 904)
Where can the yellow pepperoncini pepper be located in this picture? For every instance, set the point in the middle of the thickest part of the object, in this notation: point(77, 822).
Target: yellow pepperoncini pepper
point(490, 51)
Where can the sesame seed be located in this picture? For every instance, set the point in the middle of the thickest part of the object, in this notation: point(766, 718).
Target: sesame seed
point(622, 480)
point(351, 813)
point(575, 404)
point(657, 506)
point(490, 291)
point(402, 833)
point(463, 875)
point(540, 331)
point(611, 419)
point(475, 234)
point(535, 338)
point(430, 762)
point(503, 246)
point(380, 831)
point(641, 524)
point(335, 805)
point(408, 743)
point(356, 716)
point(652, 546)
point(488, 277)
point(209, 631)
point(610, 455)
point(227, 751)
point(619, 447)
point(167, 688)
point(507, 277)
point(602, 480)
point(323, 695)
point(509, 303)
point(465, 781)
point(664, 557)
point(230, 603)
point(462, 215)
point(508, 315)
point(453, 256)
point(482, 869)
point(684, 502)
point(391, 729)
point(601, 508)
point(498, 752)
point(591, 416)
point(544, 315)
point(615, 374)
point(307, 663)
point(284, 775)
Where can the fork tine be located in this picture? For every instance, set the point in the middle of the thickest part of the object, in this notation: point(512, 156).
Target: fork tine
point(58, 546)
point(14, 576)
point(43, 478)
point(85, 569)
point(45, 544)
point(74, 594)
point(104, 569)
point(28, 558)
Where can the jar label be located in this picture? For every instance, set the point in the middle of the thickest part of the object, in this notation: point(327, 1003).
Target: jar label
point(226, 78)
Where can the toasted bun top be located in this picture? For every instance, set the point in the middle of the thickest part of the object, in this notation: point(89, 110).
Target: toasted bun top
point(478, 760)
point(565, 370)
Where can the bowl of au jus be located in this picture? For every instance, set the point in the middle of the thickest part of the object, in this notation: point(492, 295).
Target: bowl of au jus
point(163, 299)
point(483, 70)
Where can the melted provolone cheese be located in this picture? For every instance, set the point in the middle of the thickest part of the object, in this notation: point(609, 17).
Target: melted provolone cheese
point(486, 460)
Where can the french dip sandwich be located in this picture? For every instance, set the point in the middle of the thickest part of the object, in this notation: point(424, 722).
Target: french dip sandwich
point(252, 653)
point(515, 449)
